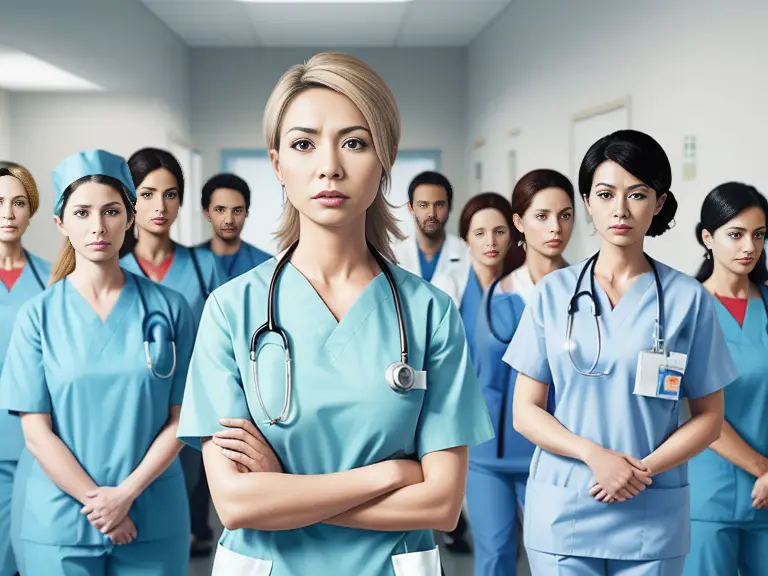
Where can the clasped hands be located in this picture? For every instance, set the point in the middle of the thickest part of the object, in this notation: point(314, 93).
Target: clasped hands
point(107, 510)
point(618, 477)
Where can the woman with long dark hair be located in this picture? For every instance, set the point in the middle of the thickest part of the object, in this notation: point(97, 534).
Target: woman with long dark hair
point(729, 480)
point(622, 338)
point(542, 215)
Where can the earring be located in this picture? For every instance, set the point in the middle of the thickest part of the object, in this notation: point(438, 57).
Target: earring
point(709, 255)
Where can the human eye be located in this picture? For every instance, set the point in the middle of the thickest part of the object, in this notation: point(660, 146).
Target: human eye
point(80, 213)
point(566, 216)
point(302, 145)
point(111, 212)
point(540, 216)
point(20, 203)
point(171, 195)
point(359, 144)
point(734, 235)
point(146, 195)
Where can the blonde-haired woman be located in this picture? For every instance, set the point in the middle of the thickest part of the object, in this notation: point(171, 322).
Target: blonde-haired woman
point(355, 457)
point(22, 276)
point(96, 368)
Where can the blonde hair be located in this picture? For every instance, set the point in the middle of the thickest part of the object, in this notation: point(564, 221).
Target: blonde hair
point(64, 264)
point(367, 90)
point(22, 175)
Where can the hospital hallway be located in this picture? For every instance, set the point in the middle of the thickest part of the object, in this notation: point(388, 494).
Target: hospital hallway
point(454, 565)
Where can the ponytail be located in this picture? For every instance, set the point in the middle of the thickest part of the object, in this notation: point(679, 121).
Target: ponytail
point(64, 264)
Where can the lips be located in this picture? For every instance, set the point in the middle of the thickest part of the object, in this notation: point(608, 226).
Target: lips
point(491, 253)
point(159, 221)
point(554, 243)
point(329, 194)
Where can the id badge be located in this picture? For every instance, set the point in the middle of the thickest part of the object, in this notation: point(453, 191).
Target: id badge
point(660, 376)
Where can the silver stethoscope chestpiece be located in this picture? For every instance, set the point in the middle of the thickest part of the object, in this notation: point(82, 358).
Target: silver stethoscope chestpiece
point(400, 377)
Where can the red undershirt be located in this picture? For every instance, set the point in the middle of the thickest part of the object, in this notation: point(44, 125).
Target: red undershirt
point(736, 306)
point(9, 277)
point(156, 272)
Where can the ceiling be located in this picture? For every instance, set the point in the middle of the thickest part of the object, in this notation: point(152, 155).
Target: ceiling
point(339, 23)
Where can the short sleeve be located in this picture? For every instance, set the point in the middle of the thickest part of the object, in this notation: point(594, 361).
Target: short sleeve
point(185, 342)
point(709, 366)
point(214, 389)
point(527, 352)
point(23, 387)
point(454, 411)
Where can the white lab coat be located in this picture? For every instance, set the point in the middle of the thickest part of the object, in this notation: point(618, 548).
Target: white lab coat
point(452, 271)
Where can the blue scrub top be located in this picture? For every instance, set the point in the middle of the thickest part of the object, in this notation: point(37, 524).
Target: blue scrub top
point(183, 277)
point(344, 414)
point(470, 307)
point(428, 267)
point(510, 451)
point(27, 286)
point(560, 515)
point(720, 490)
point(92, 377)
point(246, 258)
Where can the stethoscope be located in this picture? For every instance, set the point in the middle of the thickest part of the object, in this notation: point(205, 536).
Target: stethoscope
point(488, 317)
point(399, 375)
point(34, 271)
point(659, 345)
point(150, 320)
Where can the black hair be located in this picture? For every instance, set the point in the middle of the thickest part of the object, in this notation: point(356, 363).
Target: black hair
point(721, 206)
point(434, 179)
point(4, 165)
point(225, 180)
point(147, 160)
point(141, 164)
point(641, 156)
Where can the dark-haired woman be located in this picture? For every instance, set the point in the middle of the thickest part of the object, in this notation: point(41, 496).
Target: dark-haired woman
point(486, 227)
point(622, 338)
point(193, 272)
point(105, 494)
point(729, 480)
point(542, 214)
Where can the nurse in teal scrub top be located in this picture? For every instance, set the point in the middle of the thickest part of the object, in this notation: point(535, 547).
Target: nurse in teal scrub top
point(96, 368)
point(608, 488)
point(355, 476)
point(22, 276)
point(729, 480)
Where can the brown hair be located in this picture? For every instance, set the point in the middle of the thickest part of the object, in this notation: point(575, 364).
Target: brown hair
point(22, 175)
point(481, 202)
point(522, 197)
point(368, 91)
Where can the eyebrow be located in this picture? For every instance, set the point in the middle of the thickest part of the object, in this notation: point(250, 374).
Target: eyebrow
point(110, 205)
point(150, 189)
point(225, 206)
point(740, 229)
point(315, 131)
point(633, 187)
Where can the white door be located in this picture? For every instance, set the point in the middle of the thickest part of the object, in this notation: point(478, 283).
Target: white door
point(188, 229)
point(586, 130)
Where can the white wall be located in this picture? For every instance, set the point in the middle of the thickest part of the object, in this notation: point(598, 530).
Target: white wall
point(691, 67)
point(230, 88)
point(5, 125)
point(119, 45)
point(46, 128)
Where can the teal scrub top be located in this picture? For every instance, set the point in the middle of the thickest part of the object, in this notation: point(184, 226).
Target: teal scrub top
point(194, 283)
point(560, 515)
point(105, 404)
point(721, 491)
point(344, 414)
point(470, 307)
point(245, 259)
point(32, 281)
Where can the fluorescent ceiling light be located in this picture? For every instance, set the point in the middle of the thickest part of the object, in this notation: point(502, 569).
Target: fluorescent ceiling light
point(325, 1)
point(20, 71)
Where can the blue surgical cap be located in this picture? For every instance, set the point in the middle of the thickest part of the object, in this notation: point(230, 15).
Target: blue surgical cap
point(90, 163)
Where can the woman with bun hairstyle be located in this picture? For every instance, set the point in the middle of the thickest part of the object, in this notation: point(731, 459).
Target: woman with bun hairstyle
point(622, 338)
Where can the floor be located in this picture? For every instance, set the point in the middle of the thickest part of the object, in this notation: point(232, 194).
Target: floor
point(453, 565)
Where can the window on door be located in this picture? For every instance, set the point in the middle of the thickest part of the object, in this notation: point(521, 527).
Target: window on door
point(267, 196)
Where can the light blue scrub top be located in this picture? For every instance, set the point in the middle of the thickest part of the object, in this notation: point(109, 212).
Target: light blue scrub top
point(509, 452)
point(183, 277)
point(470, 308)
point(27, 286)
point(106, 405)
point(344, 414)
point(245, 259)
point(428, 267)
point(721, 491)
point(560, 515)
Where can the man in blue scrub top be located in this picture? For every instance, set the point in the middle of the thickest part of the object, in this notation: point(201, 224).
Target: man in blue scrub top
point(226, 200)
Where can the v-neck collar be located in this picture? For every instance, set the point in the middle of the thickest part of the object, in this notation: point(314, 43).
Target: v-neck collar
point(336, 334)
point(102, 330)
point(754, 319)
point(628, 301)
point(175, 275)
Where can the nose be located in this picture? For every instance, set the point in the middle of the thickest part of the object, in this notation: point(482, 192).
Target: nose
point(99, 226)
point(160, 203)
point(557, 225)
point(6, 211)
point(749, 246)
point(331, 164)
point(620, 206)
